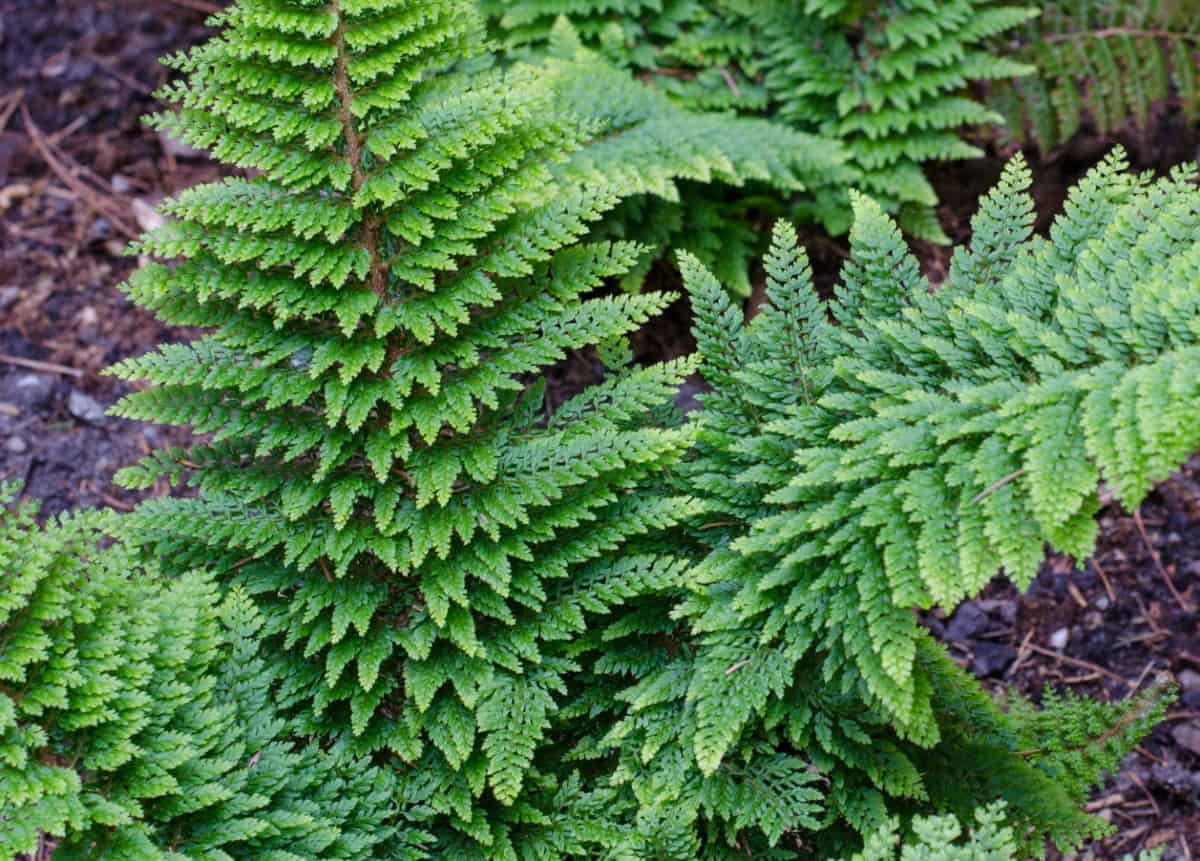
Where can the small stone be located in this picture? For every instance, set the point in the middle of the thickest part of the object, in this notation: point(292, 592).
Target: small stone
point(28, 390)
point(1175, 778)
point(84, 407)
point(1189, 683)
point(968, 621)
point(1103, 603)
point(686, 398)
point(101, 228)
point(16, 445)
point(1005, 611)
point(1059, 639)
point(1187, 736)
point(120, 184)
point(991, 659)
point(88, 321)
point(9, 297)
point(148, 218)
point(301, 359)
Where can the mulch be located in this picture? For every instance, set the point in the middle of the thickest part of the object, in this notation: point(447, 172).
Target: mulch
point(79, 173)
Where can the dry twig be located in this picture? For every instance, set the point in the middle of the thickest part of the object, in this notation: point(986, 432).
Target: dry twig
point(35, 365)
point(8, 106)
point(1077, 662)
point(1158, 565)
point(71, 174)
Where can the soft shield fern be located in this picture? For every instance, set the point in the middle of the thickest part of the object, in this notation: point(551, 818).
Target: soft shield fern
point(136, 719)
point(377, 472)
point(688, 180)
point(887, 80)
point(1114, 62)
point(942, 435)
point(944, 838)
point(895, 458)
point(689, 48)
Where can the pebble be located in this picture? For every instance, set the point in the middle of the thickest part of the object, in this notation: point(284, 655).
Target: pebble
point(148, 218)
point(1187, 736)
point(9, 297)
point(989, 659)
point(88, 321)
point(101, 228)
point(84, 407)
point(1005, 610)
point(1189, 683)
point(16, 445)
point(177, 148)
point(968, 621)
point(27, 390)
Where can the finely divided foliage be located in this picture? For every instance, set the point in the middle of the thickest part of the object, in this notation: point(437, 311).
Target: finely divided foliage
point(854, 472)
point(599, 630)
point(136, 718)
point(933, 435)
point(674, 168)
point(397, 261)
point(1114, 62)
point(887, 80)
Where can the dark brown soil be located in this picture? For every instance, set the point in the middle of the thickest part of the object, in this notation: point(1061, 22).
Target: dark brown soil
point(83, 70)
point(80, 72)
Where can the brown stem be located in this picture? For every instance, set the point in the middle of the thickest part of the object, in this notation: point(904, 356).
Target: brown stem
point(1111, 32)
point(341, 83)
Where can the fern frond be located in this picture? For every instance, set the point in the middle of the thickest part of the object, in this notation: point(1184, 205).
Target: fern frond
point(1112, 62)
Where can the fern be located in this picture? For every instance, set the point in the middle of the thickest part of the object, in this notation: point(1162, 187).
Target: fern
point(887, 80)
point(376, 471)
point(687, 47)
point(136, 718)
point(686, 179)
point(960, 428)
point(943, 838)
point(898, 460)
point(1109, 61)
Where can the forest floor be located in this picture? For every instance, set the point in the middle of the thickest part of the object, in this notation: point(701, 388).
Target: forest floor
point(79, 175)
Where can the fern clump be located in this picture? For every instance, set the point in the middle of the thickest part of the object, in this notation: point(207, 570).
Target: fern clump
point(955, 431)
point(890, 81)
point(887, 80)
point(377, 471)
point(693, 51)
point(688, 180)
point(943, 838)
point(136, 717)
point(1110, 61)
point(899, 460)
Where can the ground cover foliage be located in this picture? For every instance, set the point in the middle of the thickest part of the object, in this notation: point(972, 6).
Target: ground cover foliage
point(410, 611)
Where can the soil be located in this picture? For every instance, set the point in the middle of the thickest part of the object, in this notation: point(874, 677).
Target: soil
point(79, 173)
